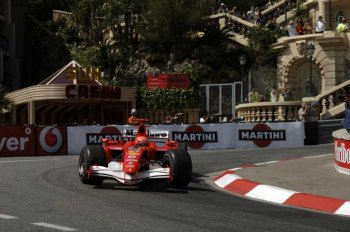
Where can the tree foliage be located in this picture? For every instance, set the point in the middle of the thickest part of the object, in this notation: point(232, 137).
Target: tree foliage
point(5, 103)
point(170, 27)
point(260, 40)
point(167, 99)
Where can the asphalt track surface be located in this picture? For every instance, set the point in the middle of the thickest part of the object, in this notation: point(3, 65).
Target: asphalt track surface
point(45, 194)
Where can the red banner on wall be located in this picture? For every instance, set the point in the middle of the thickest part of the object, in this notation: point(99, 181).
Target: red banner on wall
point(342, 153)
point(51, 140)
point(17, 141)
point(168, 81)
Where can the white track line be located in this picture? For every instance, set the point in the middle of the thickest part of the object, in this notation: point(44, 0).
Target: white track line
point(316, 156)
point(4, 216)
point(19, 161)
point(52, 226)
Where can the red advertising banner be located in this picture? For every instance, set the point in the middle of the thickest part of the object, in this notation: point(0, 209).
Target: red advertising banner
point(51, 141)
point(342, 153)
point(168, 81)
point(17, 141)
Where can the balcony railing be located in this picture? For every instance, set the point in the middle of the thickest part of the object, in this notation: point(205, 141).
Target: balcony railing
point(327, 105)
point(268, 111)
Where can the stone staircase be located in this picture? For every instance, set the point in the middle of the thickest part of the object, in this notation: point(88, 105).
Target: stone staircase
point(283, 10)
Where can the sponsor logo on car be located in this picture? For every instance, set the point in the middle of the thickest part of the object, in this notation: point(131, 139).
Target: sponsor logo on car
point(152, 134)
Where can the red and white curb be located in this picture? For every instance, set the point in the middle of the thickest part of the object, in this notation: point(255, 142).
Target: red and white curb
point(231, 182)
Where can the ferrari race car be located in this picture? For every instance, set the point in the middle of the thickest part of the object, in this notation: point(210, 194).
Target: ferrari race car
point(131, 162)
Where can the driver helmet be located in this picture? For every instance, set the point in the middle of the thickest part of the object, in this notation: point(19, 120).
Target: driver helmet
point(141, 141)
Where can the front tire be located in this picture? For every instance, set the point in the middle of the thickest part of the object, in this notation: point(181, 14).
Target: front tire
point(180, 164)
point(91, 155)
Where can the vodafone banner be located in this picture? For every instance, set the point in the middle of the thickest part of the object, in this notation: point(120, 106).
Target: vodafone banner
point(51, 141)
point(17, 141)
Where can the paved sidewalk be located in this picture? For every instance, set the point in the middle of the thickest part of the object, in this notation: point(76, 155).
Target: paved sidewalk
point(310, 182)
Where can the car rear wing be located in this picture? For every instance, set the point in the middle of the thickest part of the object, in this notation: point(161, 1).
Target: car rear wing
point(153, 135)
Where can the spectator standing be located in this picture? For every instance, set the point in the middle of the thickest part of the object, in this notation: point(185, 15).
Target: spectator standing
point(254, 96)
point(320, 25)
point(339, 17)
point(272, 24)
point(204, 118)
point(308, 27)
point(235, 12)
point(292, 31)
point(288, 96)
point(342, 26)
point(260, 19)
point(269, 4)
point(132, 120)
point(251, 15)
point(244, 16)
point(274, 95)
point(223, 8)
point(300, 27)
point(303, 112)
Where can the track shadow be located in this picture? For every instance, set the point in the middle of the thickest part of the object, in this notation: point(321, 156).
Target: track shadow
point(156, 186)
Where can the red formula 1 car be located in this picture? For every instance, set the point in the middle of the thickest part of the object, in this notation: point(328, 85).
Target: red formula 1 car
point(131, 162)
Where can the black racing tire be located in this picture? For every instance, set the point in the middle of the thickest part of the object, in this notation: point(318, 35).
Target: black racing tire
point(183, 146)
point(180, 164)
point(91, 155)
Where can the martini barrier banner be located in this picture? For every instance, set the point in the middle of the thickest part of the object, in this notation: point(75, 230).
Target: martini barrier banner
point(198, 136)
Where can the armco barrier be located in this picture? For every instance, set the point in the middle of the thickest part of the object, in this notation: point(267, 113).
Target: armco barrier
point(29, 141)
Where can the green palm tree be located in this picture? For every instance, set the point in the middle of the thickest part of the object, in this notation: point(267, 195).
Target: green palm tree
point(5, 103)
point(300, 11)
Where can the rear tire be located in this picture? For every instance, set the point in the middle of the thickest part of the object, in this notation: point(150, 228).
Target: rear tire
point(183, 146)
point(91, 155)
point(180, 164)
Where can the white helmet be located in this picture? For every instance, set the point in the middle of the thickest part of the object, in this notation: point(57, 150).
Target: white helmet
point(133, 111)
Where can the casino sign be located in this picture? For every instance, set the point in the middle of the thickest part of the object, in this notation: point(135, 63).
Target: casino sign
point(72, 95)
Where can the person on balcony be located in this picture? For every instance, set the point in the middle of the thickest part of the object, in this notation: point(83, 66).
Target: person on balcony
point(342, 26)
point(274, 95)
point(254, 96)
point(320, 25)
point(292, 31)
point(204, 118)
point(223, 8)
point(251, 15)
point(235, 12)
point(339, 17)
point(303, 112)
point(300, 27)
point(272, 24)
point(287, 95)
point(308, 27)
point(269, 4)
